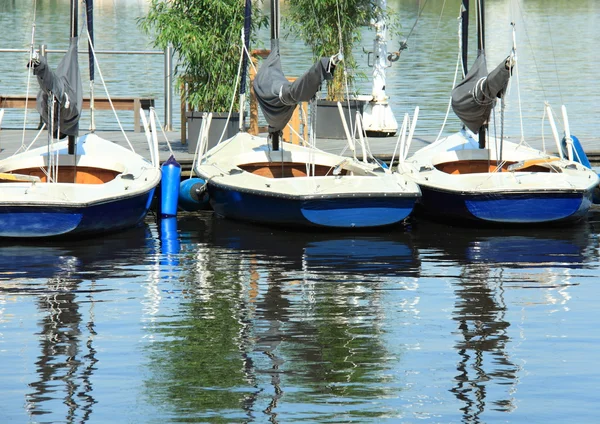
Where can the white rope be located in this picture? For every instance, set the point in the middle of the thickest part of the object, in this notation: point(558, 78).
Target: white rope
point(199, 141)
point(411, 133)
point(91, 46)
point(458, 66)
point(237, 81)
point(400, 141)
point(154, 144)
point(349, 138)
point(202, 145)
point(153, 110)
point(31, 51)
point(516, 70)
point(247, 53)
point(554, 131)
point(147, 133)
point(360, 130)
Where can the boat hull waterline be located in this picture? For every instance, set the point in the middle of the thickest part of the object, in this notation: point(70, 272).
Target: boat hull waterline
point(517, 208)
point(47, 221)
point(342, 212)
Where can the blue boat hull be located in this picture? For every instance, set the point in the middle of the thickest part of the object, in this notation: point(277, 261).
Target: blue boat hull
point(336, 212)
point(35, 221)
point(510, 208)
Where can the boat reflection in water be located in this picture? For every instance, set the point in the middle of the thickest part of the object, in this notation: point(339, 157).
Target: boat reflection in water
point(61, 277)
point(265, 313)
point(495, 266)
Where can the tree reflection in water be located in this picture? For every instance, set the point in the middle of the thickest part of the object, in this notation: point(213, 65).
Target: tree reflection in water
point(269, 314)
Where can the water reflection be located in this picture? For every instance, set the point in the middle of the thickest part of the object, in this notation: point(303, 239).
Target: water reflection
point(493, 262)
point(67, 356)
point(62, 277)
point(266, 314)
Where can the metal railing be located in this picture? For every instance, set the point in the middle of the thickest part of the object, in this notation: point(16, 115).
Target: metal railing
point(168, 70)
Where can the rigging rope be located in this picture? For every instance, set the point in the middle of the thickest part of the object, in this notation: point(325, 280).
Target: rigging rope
point(31, 55)
point(437, 28)
point(456, 70)
point(417, 20)
point(91, 45)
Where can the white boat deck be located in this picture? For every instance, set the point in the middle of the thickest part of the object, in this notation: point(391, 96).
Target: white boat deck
point(11, 139)
point(381, 147)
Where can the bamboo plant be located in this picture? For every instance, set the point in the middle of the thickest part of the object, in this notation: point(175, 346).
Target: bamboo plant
point(329, 27)
point(205, 35)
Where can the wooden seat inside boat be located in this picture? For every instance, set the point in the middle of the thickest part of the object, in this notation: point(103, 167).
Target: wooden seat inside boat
point(287, 169)
point(483, 166)
point(66, 174)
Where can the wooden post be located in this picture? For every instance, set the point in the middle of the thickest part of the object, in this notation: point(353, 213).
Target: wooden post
point(255, 54)
point(296, 122)
point(136, 114)
point(253, 128)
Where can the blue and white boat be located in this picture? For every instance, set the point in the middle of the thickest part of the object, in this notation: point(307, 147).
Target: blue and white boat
point(458, 180)
point(473, 176)
point(266, 180)
point(297, 185)
point(72, 186)
point(103, 187)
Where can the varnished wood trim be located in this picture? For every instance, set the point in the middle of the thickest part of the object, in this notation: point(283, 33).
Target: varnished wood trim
point(66, 174)
point(285, 169)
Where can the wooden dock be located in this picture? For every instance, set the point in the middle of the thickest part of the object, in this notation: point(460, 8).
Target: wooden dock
point(100, 103)
point(381, 147)
point(12, 139)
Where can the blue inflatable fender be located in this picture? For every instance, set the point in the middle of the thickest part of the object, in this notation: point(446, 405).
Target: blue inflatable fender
point(169, 186)
point(193, 195)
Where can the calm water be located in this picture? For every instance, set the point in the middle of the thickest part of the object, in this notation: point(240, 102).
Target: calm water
point(208, 320)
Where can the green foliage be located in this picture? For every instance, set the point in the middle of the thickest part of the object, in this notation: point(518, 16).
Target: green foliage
point(205, 35)
point(331, 26)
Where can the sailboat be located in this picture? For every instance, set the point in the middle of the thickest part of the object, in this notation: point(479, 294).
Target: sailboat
point(75, 185)
point(269, 181)
point(475, 177)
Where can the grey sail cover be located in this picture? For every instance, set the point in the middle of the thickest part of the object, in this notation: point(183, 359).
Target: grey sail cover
point(65, 85)
point(475, 96)
point(277, 96)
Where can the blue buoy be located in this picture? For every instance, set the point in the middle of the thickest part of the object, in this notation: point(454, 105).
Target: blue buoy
point(193, 195)
point(169, 187)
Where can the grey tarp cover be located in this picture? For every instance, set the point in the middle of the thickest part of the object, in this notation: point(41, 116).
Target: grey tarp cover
point(277, 96)
point(474, 97)
point(65, 84)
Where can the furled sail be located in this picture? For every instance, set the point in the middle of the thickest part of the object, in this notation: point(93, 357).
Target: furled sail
point(65, 85)
point(277, 96)
point(475, 96)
